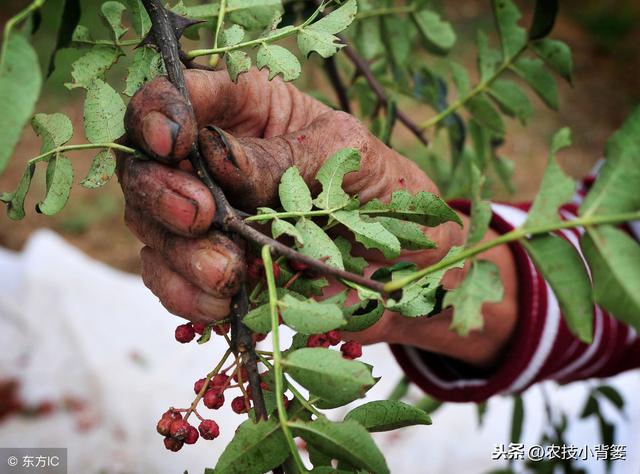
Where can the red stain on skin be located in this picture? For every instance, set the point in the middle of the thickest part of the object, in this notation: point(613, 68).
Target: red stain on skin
point(401, 181)
point(301, 138)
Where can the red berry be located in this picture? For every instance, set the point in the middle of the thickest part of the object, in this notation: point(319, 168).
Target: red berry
point(173, 444)
point(199, 328)
point(198, 385)
point(276, 271)
point(297, 266)
point(351, 350)
point(209, 429)
point(219, 381)
point(333, 337)
point(172, 414)
point(286, 403)
point(255, 269)
point(164, 426)
point(179, 429)
point(221, 329)
point(241, 373)
point(259, 337)
point(318, 340)
point(238, 406)
point(185, 333)
point(192, 435)
point(213, 399)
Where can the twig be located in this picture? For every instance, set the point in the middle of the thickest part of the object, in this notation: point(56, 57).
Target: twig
point(336, 82)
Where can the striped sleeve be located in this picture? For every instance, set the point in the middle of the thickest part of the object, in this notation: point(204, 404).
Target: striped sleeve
point(542, 348)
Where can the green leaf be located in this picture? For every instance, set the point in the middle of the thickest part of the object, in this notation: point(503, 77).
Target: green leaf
point(112, 13)
point(504, 170)
point(368, 38)
point(484, 113)
point(612, 395)
point(481, 285)
point(557, 55)
point(480, 210)
point(93, 65)
point(396, 39)
point(20, 81)
point(351, 264)
point(59, 183)
point(254, 14)
point(81, 34)
point(561, 265)
point(310, 316)
point(438, 35)
point(258, 319)
point(488, 59)
point(363, 315)
point(511, 99)
point(205, 336)
point(460, 78)
point(517, 419)
point(237, 63)
point(512, 36)
point(54, 129)
point(370, 234)
point(410, 234)
point(331, 174)
point(616, 189)
point(146, 65)
point(556, 189)
point(540, 80)
point(423, 208)
point(231, 36)
point(15, 207)
point(387, 415)
point(614, 258)
point(347, 441)
point(278, 60)
point(139, 17)
point(101, 171)
point(326, 373)
point(320, 36)
point(318, 244)
point(544, 18)
point(255, 448)
point(280, 227)
point(103, 113)
point(294, 192)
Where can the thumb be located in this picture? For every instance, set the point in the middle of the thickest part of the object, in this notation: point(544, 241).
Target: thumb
point(249, 169)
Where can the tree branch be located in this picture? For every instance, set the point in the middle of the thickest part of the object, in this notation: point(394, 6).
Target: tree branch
point(336, 82)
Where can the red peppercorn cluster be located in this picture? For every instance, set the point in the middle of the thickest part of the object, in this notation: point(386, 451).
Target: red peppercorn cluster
point(350, 349)
point(187, 332)
point(177, 431)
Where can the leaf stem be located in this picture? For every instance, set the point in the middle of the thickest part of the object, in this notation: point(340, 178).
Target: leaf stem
point(286, 215)
point(13, 21)
point(202, 391)
point(481, 87)
point(222, 10)
point(512, 236)
point(277, 356)
point(84, 146)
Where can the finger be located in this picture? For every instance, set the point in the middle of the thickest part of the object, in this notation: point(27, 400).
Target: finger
point(178, 295)
point(213, 263)
point(249, 169)
point(159, 121)
point(174, 198)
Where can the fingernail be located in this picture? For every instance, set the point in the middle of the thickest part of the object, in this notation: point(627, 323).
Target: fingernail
point(159, 133)
point(223, 140)
point(209, 267)
point(211, 306)
point(176, 211)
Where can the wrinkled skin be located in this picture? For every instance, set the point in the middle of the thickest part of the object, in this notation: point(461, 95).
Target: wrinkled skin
point(270, 126)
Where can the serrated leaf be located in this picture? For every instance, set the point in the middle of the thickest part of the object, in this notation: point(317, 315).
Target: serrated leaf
point(103, 113)
point(372, 235)
point(59, 183)
point(280, 227)
point(112, 13)
point(139, 17)
point(294, 192)
point(54, 129)
point(544, 18)
point(318, 244)
point(488, 59)
point(410, 234)
point(254, 14)
point(511, 100)
point(512, 36)
point(231, 36)
point(481, 285)
point(423, 208)
point(539, 78)
point(347, 441)
point(351, 264)
point(327, 374)
point(363, 315)
point(146, 65)
point(320, 36)
point(561, 265)
point(255, 448)
point(614, 258)
point(331, 174)
point(93, 65)
point(101, 171)
point(557, 55)
point(20, 82)
point(480, 209)
point(238, 62)
point(484, 113)
point(387, 415)
point(556, 189)
point(310, 316)
point(616, 189)
point(279, 61)
point(15, 207)
point(438, 35)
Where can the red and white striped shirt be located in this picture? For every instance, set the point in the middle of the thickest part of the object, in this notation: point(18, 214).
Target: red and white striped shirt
point(542, 348)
